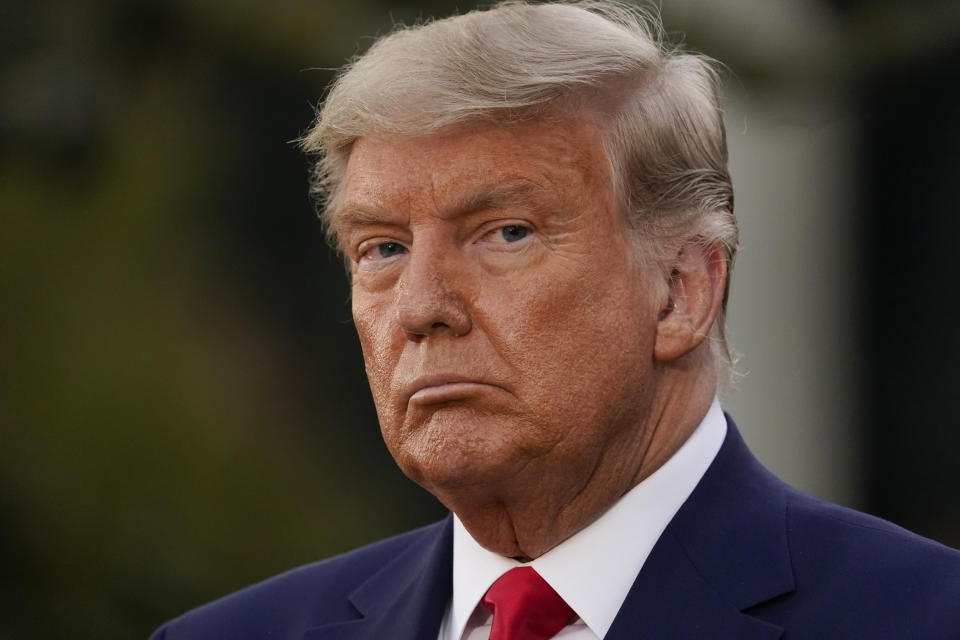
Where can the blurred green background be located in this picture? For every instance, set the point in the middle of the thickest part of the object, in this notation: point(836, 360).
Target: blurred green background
point(183, 409)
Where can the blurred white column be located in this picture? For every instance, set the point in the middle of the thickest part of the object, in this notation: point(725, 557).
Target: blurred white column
point(792, 307)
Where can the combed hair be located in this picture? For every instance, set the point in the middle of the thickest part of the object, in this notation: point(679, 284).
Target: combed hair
point(658, 106)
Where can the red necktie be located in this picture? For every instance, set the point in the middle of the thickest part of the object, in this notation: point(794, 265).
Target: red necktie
point(525, 607)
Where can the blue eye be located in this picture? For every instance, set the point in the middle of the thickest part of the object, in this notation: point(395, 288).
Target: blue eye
point(390, 249)
point(513, 232)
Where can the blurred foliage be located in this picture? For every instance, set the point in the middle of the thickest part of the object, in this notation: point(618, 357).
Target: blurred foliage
point(183, 407)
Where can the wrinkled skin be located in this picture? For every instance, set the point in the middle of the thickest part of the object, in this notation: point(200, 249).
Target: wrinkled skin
point(510, 336)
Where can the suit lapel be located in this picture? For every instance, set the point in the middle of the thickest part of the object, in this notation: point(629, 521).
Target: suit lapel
point(671, 600)
point(724, 552)
point(406, 600)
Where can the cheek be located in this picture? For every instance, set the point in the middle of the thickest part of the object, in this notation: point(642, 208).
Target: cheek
point(578, 340)
point(377, 341)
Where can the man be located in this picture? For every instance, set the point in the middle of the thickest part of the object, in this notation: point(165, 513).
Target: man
point(537, 216)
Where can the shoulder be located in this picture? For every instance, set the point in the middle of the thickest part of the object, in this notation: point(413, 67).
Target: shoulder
point(299, 598)
point(827, 536)
point(866, 573)
point(814, 568)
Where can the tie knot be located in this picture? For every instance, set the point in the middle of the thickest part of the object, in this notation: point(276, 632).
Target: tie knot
point(525, 607)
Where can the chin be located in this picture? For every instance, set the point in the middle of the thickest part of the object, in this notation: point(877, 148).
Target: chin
point(452, 451)
point(452, 469)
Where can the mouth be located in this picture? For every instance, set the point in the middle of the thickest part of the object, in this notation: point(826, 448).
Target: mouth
point(443, 388)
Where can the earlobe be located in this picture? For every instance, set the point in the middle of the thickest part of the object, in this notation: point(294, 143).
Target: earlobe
point(696, 284)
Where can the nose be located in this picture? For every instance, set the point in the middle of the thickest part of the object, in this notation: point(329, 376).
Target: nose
point(429, 295)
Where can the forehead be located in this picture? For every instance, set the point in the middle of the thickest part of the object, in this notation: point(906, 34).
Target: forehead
point(474, 166)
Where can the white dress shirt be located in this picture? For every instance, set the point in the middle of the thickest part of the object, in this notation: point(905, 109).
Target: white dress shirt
point(594, 569)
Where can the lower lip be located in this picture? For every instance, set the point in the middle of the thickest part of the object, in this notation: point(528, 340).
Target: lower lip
point(446, 392)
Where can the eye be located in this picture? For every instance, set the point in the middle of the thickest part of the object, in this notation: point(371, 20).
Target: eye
point(509, 233)
point(383, 251)
point(514, 232)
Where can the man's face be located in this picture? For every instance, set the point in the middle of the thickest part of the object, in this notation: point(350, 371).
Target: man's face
point(506, 329)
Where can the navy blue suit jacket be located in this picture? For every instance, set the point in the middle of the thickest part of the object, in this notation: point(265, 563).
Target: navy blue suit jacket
point(745, 557)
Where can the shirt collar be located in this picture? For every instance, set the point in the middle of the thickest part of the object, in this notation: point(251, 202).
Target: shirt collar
point(594, 569)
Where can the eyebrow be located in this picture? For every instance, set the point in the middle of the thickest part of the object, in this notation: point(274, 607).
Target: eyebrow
point(477, 199)
point(356, 216)
point(494, 196)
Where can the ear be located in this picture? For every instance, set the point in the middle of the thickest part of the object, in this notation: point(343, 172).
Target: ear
point(697, 279)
